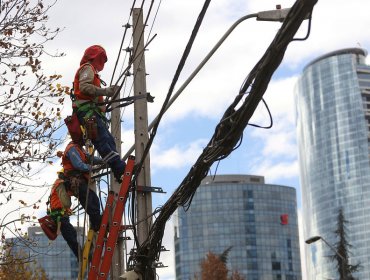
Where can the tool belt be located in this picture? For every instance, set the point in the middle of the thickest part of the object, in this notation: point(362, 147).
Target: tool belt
point(73, 182)
point(91, 128)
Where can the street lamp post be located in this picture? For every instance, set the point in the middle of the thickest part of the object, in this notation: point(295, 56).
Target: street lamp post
point(272, 15)
point(316, 238)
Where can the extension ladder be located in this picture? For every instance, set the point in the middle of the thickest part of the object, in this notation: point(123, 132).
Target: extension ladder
point(100, 265)
point(85, 254)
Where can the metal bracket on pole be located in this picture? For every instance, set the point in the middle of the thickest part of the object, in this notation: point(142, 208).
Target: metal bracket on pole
point(149, 189)
point(121, 238)
point(163, 249)
point(159, 265)
point(126, 227)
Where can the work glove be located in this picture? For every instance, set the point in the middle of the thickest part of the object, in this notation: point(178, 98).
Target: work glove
point(111, 91)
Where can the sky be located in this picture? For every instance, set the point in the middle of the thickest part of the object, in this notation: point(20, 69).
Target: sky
point(189, 124)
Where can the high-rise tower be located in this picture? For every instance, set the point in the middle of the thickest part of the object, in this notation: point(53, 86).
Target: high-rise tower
point(333, 120)
point(257, 220)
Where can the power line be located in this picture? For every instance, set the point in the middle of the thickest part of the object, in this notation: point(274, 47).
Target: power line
point(147, 264)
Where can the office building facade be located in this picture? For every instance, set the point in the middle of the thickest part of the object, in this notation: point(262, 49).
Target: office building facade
point(333, 119)
point(55, 257)
point(257, 220)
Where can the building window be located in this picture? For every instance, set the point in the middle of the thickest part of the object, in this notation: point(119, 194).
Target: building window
point(289, 243)
point(252, 265)
point(250, 229)
point(249, 218)
point(276, 266)
point(251, 241)
point(248, 205)
point(252, 253)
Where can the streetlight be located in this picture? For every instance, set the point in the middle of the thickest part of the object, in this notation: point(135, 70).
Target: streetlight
point(316, 238)
point(272, 15)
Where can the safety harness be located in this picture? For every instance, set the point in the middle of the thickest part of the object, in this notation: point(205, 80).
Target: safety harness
point(85, 103)
point(58, 207)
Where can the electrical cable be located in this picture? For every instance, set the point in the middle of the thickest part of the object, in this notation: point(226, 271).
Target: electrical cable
point(143, 259)
point(119, 53)
point(146, 20)
point(154, 19)
point(174, 80)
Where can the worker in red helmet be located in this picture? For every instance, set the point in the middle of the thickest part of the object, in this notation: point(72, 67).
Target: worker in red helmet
point(88, 94)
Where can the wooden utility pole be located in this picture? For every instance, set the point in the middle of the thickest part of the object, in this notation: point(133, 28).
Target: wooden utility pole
point(118, 256)
point(144, 197)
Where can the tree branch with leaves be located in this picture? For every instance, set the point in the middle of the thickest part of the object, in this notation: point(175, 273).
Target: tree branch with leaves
point(30, 101)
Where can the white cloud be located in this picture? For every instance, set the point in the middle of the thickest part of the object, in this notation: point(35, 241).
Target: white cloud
point(176, 157)
point(278, 159)
point(274, 171)
point(280, 144)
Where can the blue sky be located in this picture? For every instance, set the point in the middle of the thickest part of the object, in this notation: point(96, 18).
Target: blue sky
point(188, 125)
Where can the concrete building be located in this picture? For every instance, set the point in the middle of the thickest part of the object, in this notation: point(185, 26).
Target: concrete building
point(258, 220)
point(333, 120)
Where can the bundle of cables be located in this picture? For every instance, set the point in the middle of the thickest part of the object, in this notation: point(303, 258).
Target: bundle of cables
point(228, 132)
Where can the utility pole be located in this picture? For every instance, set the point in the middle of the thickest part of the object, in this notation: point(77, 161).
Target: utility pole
point(144, 197)
point(118, 256)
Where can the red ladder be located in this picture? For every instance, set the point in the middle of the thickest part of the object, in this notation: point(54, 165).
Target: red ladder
point(100, 267)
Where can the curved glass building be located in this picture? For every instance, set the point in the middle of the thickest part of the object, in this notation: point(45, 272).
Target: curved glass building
point(333, 120)
point(257, 220)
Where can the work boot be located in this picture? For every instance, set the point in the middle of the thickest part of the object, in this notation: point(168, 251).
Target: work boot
point(118, 168)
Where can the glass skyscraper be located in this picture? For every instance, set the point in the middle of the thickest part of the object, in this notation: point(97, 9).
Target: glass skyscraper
point(333, 120)
point(55, 257)
point(257, 220)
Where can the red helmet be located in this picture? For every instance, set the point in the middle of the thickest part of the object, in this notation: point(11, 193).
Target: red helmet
point(93, 52)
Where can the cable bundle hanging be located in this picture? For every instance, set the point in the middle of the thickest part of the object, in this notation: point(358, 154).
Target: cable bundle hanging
point(230, 129)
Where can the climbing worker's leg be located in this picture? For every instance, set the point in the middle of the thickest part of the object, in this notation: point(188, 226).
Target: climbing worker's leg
point(93, 206)
point(69, 234)
point(107, 149)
